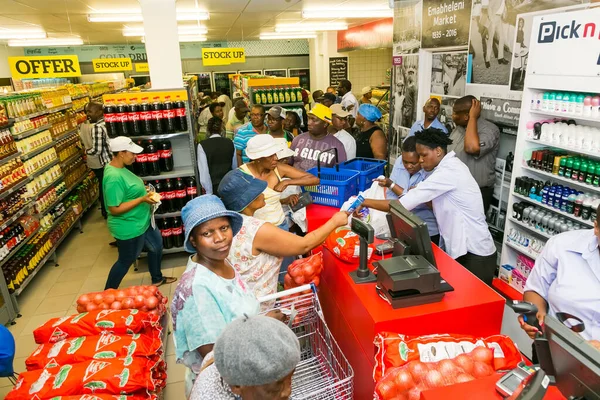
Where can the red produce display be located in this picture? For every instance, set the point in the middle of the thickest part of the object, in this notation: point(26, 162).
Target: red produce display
point(140, 396)
point(345, 244)
point(304, 271)
point(144, 298)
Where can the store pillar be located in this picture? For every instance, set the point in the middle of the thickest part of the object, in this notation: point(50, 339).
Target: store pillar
point(320, 50)
point(162, 43)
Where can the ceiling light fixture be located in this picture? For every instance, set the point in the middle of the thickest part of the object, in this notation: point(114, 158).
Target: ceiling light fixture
point(335, 26)
point(136, 16)
point(187, 38)
point(347, 13)
point(296, 35)
point(46, 42)
point(22, 34)
point(182, 30)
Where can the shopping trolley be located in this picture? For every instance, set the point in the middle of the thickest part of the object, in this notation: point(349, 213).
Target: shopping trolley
point(323, 372)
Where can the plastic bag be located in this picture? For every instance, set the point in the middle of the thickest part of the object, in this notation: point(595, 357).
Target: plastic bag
point(345, 244)
point(144, 298)
point(304, 271)
point(377, 219)
point(102, 347)
point(395, 350)
point(126, 375)
point(94, 323)
point(408, 381)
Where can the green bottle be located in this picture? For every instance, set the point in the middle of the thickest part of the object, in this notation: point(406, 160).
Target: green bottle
point(281, 95)
point(576, 168)
point(562, 167)
point(596, 181)
point(288, 97)
point(263, 96)
point(298, 94)
point(292, 95)
point(269, 96)
point(569, 167)
point(583, 170)
point(591, 171)
point(257, 96)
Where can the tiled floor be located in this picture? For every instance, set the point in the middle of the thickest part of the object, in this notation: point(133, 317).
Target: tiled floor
point(84, 261)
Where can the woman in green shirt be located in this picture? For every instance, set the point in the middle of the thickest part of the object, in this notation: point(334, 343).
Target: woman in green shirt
point(129, 208)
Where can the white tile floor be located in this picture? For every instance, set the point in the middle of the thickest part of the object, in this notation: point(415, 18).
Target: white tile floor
point(84, 261)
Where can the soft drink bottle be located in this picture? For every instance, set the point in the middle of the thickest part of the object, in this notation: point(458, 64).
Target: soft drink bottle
point(123, 125)
point(169, 196)
point(180, 115)
point(146, 121)
point(157, 116)
point(133, 117)
point(110, 119)
point(153, 159)
point(166, 233)
point(166, 156)
point(191, 188)
point(180, 194)
point(142, 161)
point(177, 232)
point(160, 189)
point(169, 115)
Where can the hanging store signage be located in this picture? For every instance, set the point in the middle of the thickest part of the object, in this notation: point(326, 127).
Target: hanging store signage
point(224, 56)
point(142, 67)
point(112, 64)
point(338, 70)
point(44, 67)
point(446, 23)
point(504, 113)
point(373, 35)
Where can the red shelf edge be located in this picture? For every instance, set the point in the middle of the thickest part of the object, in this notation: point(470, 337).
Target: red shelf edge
point(506, 290)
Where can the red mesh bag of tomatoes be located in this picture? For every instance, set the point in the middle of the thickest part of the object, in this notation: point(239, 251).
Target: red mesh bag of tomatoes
point(94, 323)
point(395, 350)
point(116, 376)
point(143, 298)
point(345, 244)
point(304, 271)
point(407, 382)
point(101, 347)
point(140, 396)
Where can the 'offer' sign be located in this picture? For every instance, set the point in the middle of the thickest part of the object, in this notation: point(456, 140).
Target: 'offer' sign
point(112, 64)
point(223, 56)
point(44, 67)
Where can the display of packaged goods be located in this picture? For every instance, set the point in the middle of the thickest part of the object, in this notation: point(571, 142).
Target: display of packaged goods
point(34, 142)
point(20, 105)
point(56, 98)
point(62, 122)
point(157, 157)
point(68, 147)
point(42, 181)
point(174, 193)
point(49, 197)
point(12, 204)
point(13, 235)
point(11, 174)
point(3, 115)
point(43, 83)
point(78, 104)
point(40, 161)
point(171, 230)
point(74, 171)
point(77, 90)
point(29, 124)
point(277, 95)
point(7, 144)
point(567, 103)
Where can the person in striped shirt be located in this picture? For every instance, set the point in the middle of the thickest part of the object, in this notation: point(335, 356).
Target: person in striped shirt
point(99, 148)
point(246, 132)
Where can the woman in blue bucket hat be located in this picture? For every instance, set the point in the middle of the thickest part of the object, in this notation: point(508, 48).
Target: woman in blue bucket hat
point(371, 142)
point(210, 293)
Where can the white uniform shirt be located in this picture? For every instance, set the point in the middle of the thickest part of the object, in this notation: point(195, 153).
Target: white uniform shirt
point(567, 275)
point(349, 99)
point(458, 208)
point(349, 143)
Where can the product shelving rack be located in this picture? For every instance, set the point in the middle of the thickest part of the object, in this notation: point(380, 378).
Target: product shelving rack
point(252, 83)
point(9, 158)
point(15, 187)
point(31, 132)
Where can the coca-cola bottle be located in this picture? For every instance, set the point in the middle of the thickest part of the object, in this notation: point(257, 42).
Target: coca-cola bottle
point(169, 196)
point(177, 232)
point(146, 121)
point(166, 156)
point(160, 189)
point(123, 125)
point(157, 116)
point(141, 161)
point(191, 188)
point(170, 124)
point(153, 164)
point(180, 194)
point(180, 115)
point(110, 119)
point(166, 232)
point(133, 117)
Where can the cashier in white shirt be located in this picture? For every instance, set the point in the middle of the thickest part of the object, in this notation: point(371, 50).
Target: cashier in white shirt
point(566, 278)
point(457, 205)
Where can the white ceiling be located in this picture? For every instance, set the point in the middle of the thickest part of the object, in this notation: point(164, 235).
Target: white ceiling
point(229, 19)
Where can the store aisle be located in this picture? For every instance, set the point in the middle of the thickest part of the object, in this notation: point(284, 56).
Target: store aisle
point(84, 261)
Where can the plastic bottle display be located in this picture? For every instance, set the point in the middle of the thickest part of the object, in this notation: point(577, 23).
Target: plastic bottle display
point(133, 117)
point(577, 104)
point(140, 166)
point(169, 196)
point(166, 232)
point(110, 119)
point(191, 188)
point(122, 119)
point(180, 194)
point(153, 159)
point(180, 115)
point(157, 116)
point(146, 121)
point(560, 163)
point(159, 187)
point(177, 232)
point(169, 119)
point(166, 156)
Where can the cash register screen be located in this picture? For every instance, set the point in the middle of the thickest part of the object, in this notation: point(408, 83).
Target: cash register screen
point(411, 231)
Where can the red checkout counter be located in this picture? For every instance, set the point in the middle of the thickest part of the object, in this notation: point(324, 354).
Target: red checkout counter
point(355, 313)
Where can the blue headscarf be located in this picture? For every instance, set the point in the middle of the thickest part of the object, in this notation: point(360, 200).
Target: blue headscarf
point(370, 112)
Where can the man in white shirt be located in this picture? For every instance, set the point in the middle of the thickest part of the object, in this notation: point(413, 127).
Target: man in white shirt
point(216, 156)
point(457, 205)
point(349, 102)
point(338, 121)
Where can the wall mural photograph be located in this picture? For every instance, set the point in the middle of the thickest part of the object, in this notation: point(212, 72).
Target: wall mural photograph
point(407, 27)
point(448, 74)
point(404, 88)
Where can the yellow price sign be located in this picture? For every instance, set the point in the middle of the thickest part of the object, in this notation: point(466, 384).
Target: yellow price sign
point(225, 56)
point(142, 67)
point(44, 66)
point(112, 64)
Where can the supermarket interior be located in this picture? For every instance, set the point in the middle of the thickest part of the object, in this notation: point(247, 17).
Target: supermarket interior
point(303, 199)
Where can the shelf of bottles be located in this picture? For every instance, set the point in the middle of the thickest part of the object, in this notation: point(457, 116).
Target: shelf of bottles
point(160, 123)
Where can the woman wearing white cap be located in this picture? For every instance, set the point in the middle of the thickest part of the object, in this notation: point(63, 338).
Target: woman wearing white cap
point(129, 207)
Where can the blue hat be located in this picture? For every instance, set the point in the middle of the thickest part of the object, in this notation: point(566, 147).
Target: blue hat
point(238, 189)
point(370, 112)
point(205, 208)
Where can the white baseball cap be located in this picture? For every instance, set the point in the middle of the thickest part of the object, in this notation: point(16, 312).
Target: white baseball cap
point(123, 143)
point(265, 145)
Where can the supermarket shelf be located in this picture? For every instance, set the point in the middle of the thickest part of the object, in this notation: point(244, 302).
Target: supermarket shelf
point(77, 182)
point(589, 153)
point(506, 290)
point(8, 158)
point(15, 188)
point(71, 158)
point(48, 187)
point(56, 221)
point(559, 178)
point(296, 104)
point(29, 116)
point(60, 108)
point(31, 132)
point(547, 207)
point(78, 109)
point(178, 172)
point(7, 125)
point(564, 116)
point(65, 134)
point(45, 168)
point(168, 215)
point(16, 216)
point(18, 247)
point(81, 96)
point(61, 197)
point(521, 250)
point(37, 151)
point(529, 228)
point(160, 137)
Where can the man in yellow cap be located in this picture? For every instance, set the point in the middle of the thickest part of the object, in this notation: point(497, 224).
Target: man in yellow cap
point(317, 143)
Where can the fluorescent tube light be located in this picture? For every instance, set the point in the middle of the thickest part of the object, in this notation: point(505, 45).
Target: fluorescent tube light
point(297, 35)
point(46, 42)
point(137, 16)
point(335, 26)
point(345, 13)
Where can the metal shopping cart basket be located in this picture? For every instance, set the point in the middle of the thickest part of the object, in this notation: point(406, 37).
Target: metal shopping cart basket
point(323, 372)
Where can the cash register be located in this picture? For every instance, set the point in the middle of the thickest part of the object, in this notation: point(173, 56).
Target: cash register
point(409, 277)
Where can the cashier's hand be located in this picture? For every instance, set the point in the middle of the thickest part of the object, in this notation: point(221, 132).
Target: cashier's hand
point(532, 331)
point(385, 182)
point(340, 218)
